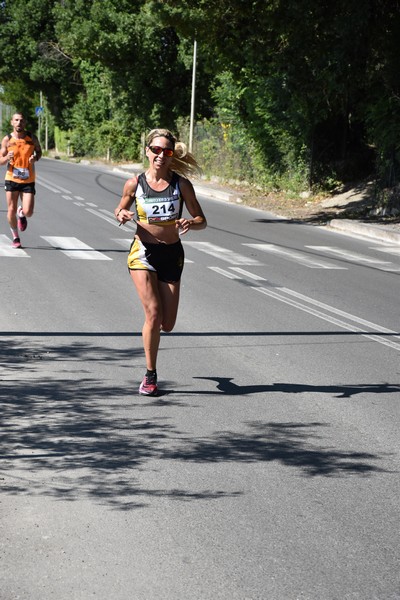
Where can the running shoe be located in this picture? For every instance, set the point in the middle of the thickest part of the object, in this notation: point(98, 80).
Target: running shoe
point(22, 221)
point(148, 387)
point(16, 243)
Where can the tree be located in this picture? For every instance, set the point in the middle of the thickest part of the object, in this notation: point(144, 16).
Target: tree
point(311, 87)
point(304, 70)
point(31, 61)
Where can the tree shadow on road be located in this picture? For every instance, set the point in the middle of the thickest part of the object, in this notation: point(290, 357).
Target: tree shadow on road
point(71, 434)
point(290, 444)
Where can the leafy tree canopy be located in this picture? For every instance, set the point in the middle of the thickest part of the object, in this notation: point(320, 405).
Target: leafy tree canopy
point(309, 84)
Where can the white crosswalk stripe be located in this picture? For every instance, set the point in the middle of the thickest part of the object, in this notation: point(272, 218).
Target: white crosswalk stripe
point(7, 250)
point(295, 256)
point(387, 249)
point(227, 274)
point(346, 255)
point(223, 253)
point(124, 242)
point(74, 248)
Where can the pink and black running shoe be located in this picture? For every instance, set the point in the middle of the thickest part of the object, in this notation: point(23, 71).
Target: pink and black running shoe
point(22, 220)
point(148, 387)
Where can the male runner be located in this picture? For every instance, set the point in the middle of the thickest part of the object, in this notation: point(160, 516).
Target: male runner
point(19, 150)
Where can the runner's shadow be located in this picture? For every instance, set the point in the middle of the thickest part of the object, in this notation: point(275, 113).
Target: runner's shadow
point(226, 386)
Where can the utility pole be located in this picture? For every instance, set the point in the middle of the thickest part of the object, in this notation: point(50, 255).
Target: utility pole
point(40, 116)
point(193, 96)
point(46, 128)
point(1, 110)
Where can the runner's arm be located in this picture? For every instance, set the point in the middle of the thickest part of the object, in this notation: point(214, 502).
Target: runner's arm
point(122, 212)
point(4, 158)
point(37, 153)
point(198, 220)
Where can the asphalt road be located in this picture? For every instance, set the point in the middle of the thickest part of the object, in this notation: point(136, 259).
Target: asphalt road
point(268, 467)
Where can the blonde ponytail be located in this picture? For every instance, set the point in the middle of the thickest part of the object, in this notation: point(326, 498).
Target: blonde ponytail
point(184, 163)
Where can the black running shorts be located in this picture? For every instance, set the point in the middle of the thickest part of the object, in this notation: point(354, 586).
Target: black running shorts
point(165, 259)
point(11, 186)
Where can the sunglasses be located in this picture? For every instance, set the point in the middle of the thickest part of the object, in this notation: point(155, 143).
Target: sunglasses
point(158, 150)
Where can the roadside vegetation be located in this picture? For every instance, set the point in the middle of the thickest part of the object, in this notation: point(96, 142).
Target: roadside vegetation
point(293, 97)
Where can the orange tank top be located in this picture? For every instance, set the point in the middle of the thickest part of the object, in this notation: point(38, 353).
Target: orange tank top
point(21, 170)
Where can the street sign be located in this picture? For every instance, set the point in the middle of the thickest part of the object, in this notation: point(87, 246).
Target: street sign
point(39, 110)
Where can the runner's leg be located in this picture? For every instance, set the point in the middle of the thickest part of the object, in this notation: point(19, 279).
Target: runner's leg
point(12, 203)
point(28, 203)
point(148, 292)
point(169, 294)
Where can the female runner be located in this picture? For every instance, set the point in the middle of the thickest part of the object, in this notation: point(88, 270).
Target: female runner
point(156, 257)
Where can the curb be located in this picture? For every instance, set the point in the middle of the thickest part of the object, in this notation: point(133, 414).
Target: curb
point(216, 193)
point(376, 232)
point(127, 170)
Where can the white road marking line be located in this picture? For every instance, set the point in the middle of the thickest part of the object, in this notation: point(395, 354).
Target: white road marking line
point(74, 248)
point(92, 204)
point(48, 187)
point(124, 242)
point(329, 318)
point(227, 274)
point(337, 311)
point(350, 255)
point(80, 198)
point(294, 256)
point(223, 253)
point(388, 249)
point(57, 189)
point(110, 218)
point(67, 197)
point(7, 250)
point(384, 265)
point(248, 274)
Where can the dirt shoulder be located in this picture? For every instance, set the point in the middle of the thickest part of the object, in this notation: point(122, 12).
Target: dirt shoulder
point(356, 202)
point(296, 209)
